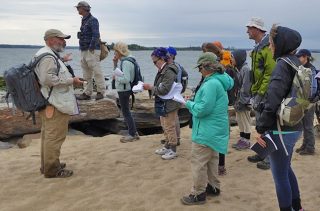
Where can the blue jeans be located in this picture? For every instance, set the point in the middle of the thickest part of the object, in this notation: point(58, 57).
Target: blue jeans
point(284, 178)
point(124, 98)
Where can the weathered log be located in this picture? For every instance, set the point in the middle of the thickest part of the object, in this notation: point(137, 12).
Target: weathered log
point(17, 125)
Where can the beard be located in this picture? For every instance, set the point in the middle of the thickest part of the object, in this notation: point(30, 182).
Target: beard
point(58, 48)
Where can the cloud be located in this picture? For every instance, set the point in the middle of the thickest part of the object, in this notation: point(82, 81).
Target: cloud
point(155, 23)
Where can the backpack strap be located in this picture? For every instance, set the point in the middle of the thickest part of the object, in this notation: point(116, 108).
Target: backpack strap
point(34, 63)
point(130, 59)
point(179, 75)
point(289, 62)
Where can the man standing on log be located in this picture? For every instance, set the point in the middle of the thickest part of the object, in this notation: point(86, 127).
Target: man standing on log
point(57, 87)
point(89, 41)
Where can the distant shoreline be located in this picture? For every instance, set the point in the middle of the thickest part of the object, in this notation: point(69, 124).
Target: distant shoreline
point(132, 47)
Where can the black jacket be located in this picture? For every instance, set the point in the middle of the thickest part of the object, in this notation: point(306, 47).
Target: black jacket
point(286, 41)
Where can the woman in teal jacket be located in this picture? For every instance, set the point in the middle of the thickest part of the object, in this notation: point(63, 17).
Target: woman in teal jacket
point(210, 131)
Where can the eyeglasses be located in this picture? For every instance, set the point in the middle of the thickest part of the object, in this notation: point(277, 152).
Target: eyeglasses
point(200, 67)
point(155, 62)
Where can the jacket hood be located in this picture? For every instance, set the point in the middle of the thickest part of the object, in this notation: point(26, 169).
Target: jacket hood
point(226, 81)
point(240, 56)
point(285, 40)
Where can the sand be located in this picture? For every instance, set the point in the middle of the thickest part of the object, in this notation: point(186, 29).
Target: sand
point(109, 175)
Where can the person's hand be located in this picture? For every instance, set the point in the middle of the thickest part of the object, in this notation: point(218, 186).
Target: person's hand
point(115, 61)
point(91, 51)
point(77, 81)
point(67, 57)
point(147, 86)
point(260, 141)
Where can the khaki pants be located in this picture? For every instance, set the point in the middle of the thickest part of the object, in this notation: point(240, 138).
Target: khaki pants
point(244, 121)
point(53, 134)
point(204, 164)
point(178, 127)
point(168, 124)
point(90, 64)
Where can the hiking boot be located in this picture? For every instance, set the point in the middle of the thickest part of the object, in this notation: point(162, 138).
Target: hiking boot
point(194, 199)
point(254, 159)
point(162, 151)
point(212, 191)
point(83, 96)
point(99, 96)
point(307, 151)
point(222, 170)
point(62, 166)
point(263, 165)
point(129, 138)
point(300, 149)
point(170, 154)
point(178, 142)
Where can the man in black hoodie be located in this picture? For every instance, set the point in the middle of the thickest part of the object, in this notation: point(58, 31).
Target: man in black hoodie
point(283, 43)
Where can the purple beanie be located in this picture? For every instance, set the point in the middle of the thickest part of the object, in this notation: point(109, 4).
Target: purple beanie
point(161, 53)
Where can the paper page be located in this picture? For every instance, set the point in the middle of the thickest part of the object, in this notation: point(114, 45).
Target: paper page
point(175, 89)
point(179, 98)
point(138, 87)
point(118, 72)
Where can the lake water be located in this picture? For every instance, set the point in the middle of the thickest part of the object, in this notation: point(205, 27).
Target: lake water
point(14, 56)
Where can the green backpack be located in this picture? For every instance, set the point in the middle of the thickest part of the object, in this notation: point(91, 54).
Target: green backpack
point(294, 106)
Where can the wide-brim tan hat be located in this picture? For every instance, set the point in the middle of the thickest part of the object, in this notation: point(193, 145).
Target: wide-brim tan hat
point(122, 48)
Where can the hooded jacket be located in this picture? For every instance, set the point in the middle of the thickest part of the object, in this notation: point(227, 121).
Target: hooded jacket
point(163, 84)
point(285, 41)
point(262, 67)
point(210, 112)
point(244, 81)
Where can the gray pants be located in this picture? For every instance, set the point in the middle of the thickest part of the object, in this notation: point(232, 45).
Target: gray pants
point(308, 132)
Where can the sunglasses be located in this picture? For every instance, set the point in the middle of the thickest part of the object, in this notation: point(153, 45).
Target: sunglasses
point(155, 62)
point(200, 67)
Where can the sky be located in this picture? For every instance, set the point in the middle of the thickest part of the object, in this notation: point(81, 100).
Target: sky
point(179, 23)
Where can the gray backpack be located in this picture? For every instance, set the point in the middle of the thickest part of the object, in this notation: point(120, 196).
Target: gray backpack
point(23, 86)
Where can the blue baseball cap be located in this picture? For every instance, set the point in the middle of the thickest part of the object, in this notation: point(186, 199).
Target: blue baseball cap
point(303, 52)
point(172, 51)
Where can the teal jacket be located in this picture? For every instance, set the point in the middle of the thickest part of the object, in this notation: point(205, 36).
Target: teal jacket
point(123, 82)
point(210, 112)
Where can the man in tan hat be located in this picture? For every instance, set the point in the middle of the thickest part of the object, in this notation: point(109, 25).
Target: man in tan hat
point(262, 66)
point(89, 36)
point(57, 87)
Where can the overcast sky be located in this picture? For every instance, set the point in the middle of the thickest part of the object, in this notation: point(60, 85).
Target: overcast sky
point(159, 23)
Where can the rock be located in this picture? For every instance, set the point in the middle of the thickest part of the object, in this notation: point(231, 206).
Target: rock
point(5, 145)
point(26, 140)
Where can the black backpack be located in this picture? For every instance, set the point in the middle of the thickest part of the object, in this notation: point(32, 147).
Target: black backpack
point(23, 86)
point(182, 77)
point(137, 76)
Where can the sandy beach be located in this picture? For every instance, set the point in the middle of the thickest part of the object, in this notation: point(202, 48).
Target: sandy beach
point(109, 175)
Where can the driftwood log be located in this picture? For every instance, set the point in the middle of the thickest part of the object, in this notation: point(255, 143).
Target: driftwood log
point(12, 125)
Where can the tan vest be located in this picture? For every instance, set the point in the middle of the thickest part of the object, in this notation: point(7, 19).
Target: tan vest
point(62, 96)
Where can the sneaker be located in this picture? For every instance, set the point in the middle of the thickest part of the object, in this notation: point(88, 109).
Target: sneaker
point(236, 144)
point(211, 191)
point(263, 165)
point(162, 151)
point(300, 149)
point(83, 96)
point(99, 96)
point(254, 159)
point(243, 144)
point(169, 155)
point(222, 170)
point(129, 138)
point(194, 199)
point(307, 151)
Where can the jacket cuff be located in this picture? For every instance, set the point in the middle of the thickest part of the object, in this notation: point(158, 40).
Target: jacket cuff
point(261, 130)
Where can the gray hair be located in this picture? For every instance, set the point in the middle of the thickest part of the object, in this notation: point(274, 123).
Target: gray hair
point(213, 67)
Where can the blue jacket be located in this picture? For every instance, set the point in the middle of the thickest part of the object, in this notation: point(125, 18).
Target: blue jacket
point(89, 34)
point(210, 112)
